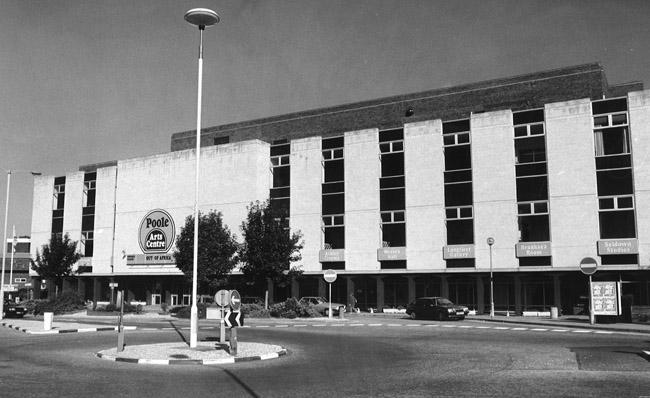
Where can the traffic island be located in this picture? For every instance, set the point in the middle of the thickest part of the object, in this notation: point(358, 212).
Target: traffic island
point(206, 353)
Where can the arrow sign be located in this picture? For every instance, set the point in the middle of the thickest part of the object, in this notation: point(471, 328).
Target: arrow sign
point(234, 319)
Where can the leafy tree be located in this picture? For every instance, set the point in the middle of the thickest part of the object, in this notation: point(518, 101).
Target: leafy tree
point(56, 259)
point(216, 254)
point(269, 248)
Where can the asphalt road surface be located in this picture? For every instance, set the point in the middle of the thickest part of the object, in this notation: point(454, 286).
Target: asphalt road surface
point(399, 358)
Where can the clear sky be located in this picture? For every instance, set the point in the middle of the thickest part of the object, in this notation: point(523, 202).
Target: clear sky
point(91, 81)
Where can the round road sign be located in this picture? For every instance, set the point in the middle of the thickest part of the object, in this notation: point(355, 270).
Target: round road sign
point(588, 265)
point(490, 241)
point(235, 300)
point(222, 297)
point(329, 275)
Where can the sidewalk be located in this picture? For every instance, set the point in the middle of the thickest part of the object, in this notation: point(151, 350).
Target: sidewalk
point(567, 321)
point(36, 325)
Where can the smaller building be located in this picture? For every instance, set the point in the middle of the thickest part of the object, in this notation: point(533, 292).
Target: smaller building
point(16, 278)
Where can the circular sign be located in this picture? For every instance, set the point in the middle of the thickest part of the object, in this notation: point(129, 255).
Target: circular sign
point(588, 265)
point(329, 275)
point(157, 232)
point(235, 300)
point(490, 241)
point(222, 298)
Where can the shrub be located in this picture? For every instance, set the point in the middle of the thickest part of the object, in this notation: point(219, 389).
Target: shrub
point(65, 303)
point(185, 312)
point(292, 308)
point(255, 311)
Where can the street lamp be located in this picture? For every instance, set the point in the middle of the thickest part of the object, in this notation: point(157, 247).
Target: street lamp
point(200, 17)
point(490, 242)
point(4, 240)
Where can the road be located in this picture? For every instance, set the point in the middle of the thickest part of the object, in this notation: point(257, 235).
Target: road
point(394, 358)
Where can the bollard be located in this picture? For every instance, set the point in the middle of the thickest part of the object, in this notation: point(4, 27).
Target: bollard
point(47, 320)
point(554, 313)
point(341, 313)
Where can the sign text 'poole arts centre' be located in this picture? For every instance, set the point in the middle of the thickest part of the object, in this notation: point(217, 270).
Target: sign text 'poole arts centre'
point(156, 236)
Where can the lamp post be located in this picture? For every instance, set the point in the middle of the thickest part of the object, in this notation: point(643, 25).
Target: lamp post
point(4, 239)
point(200, 17)
point(490, 242)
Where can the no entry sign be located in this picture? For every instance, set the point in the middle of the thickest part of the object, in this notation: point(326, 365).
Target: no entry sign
point(588, 265)
point(329, 275)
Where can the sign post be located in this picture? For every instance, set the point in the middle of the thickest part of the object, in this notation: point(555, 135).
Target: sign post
point(588, 266)
point(235, 305)
point(112, 285)
point(120, 327)
point(330, 277)
point(222, 298)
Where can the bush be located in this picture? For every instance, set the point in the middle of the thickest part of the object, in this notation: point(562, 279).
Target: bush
point(185, 312)
point(65, 303)
point(128, 308)
point(292, 308)
point(255, 311)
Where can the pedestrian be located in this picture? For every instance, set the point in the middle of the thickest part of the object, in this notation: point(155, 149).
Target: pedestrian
point(353, 303)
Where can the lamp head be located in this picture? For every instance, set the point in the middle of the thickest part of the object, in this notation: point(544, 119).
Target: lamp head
point(202, 17)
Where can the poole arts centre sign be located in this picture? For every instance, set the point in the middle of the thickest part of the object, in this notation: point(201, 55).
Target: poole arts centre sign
point(156, 236)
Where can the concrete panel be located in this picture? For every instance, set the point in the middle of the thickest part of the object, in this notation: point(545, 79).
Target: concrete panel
point(495, 198)
point(362, 171)
point(425, 214)
point(104, 210)
point(639, 111)
point(571, 181)
point(74, 187)
point(306, 178)
point(41, 214)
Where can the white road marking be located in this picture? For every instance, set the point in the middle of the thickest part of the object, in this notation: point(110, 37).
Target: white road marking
point(482, 327)
point(262, 326)
point(281, 326)
point(356, 324)
point(393, 324)
point(431, 326)
point(582, 331)
point(375, 324)
point(299, 326)
point(501, 328)
point(603, 332)
point(539, 330)
point(519, 329)
point(559, 330)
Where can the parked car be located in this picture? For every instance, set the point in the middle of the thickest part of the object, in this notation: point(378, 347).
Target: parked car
point(439, 308)
point(321, 305)
point(12, 310)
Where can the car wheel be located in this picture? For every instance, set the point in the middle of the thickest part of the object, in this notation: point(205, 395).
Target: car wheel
point(414, 315)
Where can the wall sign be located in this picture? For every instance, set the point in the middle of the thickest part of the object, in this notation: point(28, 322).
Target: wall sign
point(457, 251)
point(331, 255)
point(157, 232)
point(618, 246)
point(533, 249)
point(605, 298)
point(391, 253)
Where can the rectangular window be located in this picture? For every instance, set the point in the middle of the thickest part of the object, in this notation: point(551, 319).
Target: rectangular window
point(221, 140)
point(334, 232)
point(59, 197)
point(332, 194)
point(333, 170)
point(86, 243)
point(333, 203)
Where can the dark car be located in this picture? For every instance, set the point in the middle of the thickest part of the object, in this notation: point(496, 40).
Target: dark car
point(13, 311)
point(439, 308)
point(321, 305)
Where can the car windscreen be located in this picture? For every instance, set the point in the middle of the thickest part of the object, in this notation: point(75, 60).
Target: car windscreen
point(444, 302)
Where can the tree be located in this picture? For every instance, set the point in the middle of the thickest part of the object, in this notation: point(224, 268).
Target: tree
point(56, 259)
point(216, 254)
point(269, 248)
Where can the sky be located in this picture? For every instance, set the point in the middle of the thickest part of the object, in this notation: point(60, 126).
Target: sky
point(89, 81)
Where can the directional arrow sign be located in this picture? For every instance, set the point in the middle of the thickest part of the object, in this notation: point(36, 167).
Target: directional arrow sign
point(234, 319)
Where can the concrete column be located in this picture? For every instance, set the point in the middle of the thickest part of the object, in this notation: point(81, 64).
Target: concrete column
point(81, 287)
point(411, 287)
point(557, 296)
point(322, 287)
point(380, 293)
point(518, 297)
point(480, 295)
point(444, 286)
point(349, 289)
point(295, 289)
point(97, 289)
point(269, 288)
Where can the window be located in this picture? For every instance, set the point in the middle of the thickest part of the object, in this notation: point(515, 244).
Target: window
point(59, 196)
point(459, 213)
point(20, 280)
point(614, 177)
point(281, 172)
point(86, 243)
point(334, 231)
point(221, 140)
point(392, 192)
point(332, 194)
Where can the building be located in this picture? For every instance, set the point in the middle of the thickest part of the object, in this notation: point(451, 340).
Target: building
point(17, 268)
point(398, 194)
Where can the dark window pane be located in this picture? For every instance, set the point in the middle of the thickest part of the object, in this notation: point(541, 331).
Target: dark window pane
point(521, 131)
point(391, 182)
point(59, 180)
point(334, 170)
point(280, 207)
point(461, 263)
point(391, 135)
point(57, 213)
point(398, 216)
point(392, 164)
point(458, 176)
point(279, 193)
point(534, 228)
point(333, 204)
point(541, 207)
point(88, 248)
point(90, 197)
point(609, 106)
point(460, 232)
point(625, 203)
point(88, 223)
point(530, 169)
point(280, 150)
point(57, 225)
point(606, 203)
point(534, 261)
point(281, 176)
point(335, 237)
point(614, 182)
point(617, 224)
point(532, 188)
point(525, 117)
point(60, 201)
point(458, 157)
point(394, 234)
point(466, 212)
point(620, 259)
point(458, 194)
point(338, 265)
point(523, 208)
point(530, 149)
point(537, 129)
point(92, 176)
point(396, 264)
point(221, 140)
point(392, 199)
point(333, 187)
point(455, 126)
point(330, 143)
point(613, 162)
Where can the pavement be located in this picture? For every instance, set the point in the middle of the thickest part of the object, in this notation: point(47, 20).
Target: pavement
point(214, 353)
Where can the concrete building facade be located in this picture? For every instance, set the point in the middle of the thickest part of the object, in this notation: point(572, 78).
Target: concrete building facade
point(397, 194)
